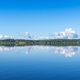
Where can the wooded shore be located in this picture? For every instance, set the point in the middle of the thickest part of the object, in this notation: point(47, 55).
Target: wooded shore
point(48, 42)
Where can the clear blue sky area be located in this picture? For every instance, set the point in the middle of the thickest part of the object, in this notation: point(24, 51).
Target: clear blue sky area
point(39, 16)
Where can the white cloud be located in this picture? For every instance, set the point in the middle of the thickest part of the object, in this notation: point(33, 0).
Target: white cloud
point(69, 33)
point(26, 35)
point(5, 36)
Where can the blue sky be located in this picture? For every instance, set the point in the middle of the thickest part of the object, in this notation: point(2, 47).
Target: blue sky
point(38, 16)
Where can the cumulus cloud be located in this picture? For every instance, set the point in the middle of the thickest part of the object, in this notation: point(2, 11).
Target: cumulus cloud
point(5, 36)
point(68, 33)
point(26, 35)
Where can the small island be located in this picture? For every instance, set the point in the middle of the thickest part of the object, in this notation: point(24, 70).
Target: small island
point(44, 42)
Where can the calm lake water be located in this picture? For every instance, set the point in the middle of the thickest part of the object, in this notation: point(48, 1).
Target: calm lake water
point(40, 63)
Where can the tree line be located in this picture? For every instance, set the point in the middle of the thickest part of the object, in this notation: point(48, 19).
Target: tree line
point(51, 42)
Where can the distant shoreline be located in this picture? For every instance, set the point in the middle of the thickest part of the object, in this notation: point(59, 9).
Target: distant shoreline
point(45, 42)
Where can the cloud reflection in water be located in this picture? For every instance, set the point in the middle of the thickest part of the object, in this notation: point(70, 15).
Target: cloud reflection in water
point(67, 51)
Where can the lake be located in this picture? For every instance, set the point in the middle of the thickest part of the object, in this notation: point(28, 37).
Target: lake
point(40, 63)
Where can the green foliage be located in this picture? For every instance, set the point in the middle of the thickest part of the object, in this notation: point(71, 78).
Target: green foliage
point(52, 42)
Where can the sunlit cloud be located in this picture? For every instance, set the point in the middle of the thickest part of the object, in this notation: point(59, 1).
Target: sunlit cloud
point(68, 33)
point(5, 36)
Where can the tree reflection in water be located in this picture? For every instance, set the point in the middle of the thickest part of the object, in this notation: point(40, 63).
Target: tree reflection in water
point(67, 51)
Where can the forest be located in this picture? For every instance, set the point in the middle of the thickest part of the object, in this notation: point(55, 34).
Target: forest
point(46, 42)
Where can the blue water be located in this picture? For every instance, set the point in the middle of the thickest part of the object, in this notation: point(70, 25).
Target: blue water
point(39, 63)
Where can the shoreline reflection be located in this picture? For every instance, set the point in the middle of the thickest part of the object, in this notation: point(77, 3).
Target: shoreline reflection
point(67, 51)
